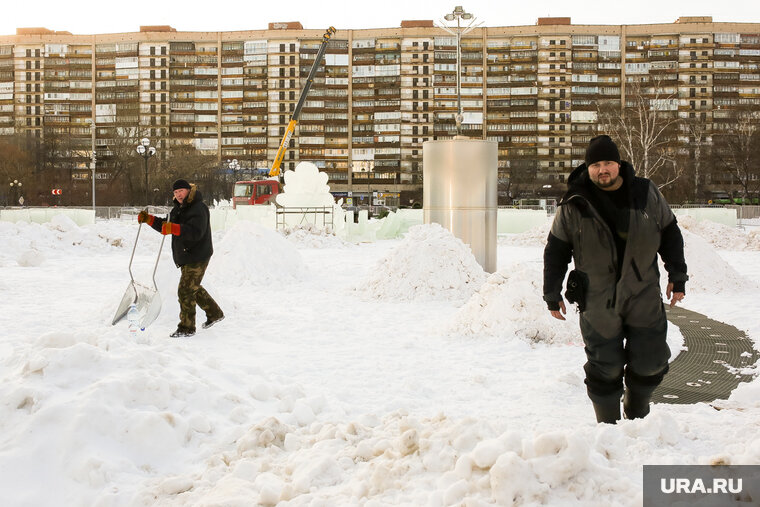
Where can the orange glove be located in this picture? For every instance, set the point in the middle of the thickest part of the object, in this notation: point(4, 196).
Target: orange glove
point(170, 228)
point(145, 217)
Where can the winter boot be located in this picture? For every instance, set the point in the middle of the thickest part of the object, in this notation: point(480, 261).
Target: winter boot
point(635, 406)
point(210, 321)
point(182, 332)
point(607, 412)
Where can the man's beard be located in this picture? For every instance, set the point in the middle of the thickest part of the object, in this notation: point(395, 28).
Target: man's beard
point(610, 183)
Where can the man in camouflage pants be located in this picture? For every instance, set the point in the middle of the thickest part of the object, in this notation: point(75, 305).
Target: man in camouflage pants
point(192, 249)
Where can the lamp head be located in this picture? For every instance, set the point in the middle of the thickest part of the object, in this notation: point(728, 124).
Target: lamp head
point(145, 141)
point(140, 149)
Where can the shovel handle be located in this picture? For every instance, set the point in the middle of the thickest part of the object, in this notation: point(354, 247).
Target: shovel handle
point(155, 267)
point(161, 247)
point(139, 227)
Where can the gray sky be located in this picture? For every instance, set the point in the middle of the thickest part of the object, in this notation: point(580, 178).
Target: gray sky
point(108, 16)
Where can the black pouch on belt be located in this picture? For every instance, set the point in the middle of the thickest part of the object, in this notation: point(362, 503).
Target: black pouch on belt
point(577, 283)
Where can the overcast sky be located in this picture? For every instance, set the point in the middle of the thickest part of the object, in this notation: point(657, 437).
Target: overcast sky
point(108, 16)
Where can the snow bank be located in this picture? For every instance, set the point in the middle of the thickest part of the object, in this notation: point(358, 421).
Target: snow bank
point(52, 239)
point(721, 236)
point(429, 264)
point(708, 272)
point(250, 254)
point(509, 305)
point(718, 235)
point(532, 237)
point(312, 236)
point(91, 407)
point(404, 460)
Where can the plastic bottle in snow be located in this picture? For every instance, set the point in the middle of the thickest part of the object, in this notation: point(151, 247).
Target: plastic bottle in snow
point(133, 318)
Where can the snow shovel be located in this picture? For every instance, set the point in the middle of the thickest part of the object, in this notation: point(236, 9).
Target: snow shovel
point(147, 299)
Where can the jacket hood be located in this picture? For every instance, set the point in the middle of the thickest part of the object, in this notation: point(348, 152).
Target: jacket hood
point(193, 196)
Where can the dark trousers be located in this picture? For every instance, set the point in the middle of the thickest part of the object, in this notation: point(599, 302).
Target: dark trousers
point(637, 354)
point(190, 294)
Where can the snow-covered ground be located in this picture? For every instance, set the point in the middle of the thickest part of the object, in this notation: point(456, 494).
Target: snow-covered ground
point(387, 373)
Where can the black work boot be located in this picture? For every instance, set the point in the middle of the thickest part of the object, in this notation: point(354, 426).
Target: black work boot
point(182, 332)
point(635, 406)
point(210, 321)
point(607, 412)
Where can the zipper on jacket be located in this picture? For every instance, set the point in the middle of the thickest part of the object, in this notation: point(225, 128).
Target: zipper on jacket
point(636, 270)
point(600, 220)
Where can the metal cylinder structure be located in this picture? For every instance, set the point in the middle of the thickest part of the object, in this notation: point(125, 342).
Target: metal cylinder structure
point(460, 192)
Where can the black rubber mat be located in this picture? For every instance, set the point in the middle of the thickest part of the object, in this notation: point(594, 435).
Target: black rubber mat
point(711, 366)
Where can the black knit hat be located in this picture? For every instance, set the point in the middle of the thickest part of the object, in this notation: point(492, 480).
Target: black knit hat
point(601, 148)
point(180, 184)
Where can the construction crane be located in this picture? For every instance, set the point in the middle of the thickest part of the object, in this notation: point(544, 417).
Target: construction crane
point(275, 170)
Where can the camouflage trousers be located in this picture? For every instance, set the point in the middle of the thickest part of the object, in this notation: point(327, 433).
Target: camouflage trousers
point(190, 293)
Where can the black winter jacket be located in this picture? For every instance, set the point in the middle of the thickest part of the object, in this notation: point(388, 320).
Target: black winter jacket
point(579, 232)
point(194, 241)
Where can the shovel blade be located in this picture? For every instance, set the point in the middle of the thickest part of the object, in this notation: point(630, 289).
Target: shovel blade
point(152, 306)
point(147, 300)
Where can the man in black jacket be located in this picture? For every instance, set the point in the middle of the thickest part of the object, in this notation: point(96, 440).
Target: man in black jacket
point(613, 224)
point(192, 249)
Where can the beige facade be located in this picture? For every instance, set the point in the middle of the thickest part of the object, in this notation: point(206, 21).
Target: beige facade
point(382, 92)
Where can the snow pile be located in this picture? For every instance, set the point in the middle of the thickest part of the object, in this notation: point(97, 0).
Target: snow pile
point(250, 254)
point(30, 258)
point(720, 235)
point(510, 305)
point(91, 407)
point(532, 237)
point(53, 238)
point(312, 236)
point(708, 272)
point(404, 460)
point(429, 264)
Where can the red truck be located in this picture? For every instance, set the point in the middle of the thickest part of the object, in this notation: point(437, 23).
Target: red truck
point(253, 192)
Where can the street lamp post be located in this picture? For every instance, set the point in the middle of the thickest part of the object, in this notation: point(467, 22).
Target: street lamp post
point(145, 150)
point(233, 165)
point(16, 189)
point(369, 191)
point(459, 14)
point(93, 160)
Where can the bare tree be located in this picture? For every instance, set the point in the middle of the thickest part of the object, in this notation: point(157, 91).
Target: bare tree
point(697, 140)
point(185, 161)
point(15, 164)
point(738, 150)
point(645, 128)
point(125, 165)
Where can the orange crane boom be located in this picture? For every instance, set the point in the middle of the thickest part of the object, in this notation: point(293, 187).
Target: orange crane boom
point(275, 170)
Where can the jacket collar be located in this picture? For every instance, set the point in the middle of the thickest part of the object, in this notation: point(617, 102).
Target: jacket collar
point(579, 183)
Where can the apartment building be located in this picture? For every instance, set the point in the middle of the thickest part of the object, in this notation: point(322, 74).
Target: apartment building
point(378, 95)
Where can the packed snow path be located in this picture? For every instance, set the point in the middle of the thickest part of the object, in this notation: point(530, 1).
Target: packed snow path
point(712, 364)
